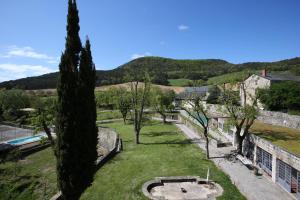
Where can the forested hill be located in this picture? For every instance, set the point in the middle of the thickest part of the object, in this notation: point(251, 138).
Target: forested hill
point(162, 69)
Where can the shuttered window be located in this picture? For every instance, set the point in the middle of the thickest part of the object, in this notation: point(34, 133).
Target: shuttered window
point(264, 160)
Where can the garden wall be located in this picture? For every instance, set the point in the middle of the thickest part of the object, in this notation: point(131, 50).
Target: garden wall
point(268, 117)
point(280, 119)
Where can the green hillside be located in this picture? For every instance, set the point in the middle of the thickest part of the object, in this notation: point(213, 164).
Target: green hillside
point(164, 69)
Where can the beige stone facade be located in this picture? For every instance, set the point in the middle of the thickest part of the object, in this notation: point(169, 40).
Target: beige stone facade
point(250, 86)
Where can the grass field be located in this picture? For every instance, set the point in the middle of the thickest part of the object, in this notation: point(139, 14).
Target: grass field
point(284, 137)
point(32, 178)
point(164, 152)
point(108, 114)
point(182, 82)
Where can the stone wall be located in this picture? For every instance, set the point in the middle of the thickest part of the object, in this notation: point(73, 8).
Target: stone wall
point(280, 119)
point(107, 138)
point(268, 117)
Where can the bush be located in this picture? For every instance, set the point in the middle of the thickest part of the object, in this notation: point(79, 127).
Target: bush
point(281, 96)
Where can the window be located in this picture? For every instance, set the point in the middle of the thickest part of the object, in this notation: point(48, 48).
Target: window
point(220, 125)
point(281, 170)
point(264, 160)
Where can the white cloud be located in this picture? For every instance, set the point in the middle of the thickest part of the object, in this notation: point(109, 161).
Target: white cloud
point(183, 27)
point(28, 52)
point(136, 55)
point(10, 71)
point(162, 43)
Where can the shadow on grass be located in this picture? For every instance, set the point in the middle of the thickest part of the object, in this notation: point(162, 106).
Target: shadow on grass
point(177, 142)
point(163, 133)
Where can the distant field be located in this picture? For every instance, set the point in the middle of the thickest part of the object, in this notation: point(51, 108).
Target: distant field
point(182, 82)
point(229, 78)
point(176, 89)
point(51, 92)
point(233, 77)
point(286, 138)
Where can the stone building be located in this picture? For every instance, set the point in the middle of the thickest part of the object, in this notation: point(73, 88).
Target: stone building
point(282, 166)
point(262, 81)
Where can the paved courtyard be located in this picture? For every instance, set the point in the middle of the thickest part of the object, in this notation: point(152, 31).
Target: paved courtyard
point(253, 187)
point(10, 132)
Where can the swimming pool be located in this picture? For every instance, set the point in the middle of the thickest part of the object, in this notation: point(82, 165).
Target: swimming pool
point(26, 140)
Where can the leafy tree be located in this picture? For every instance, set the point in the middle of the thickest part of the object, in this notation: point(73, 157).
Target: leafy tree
point(123, 102)
point(241, 117)
point(281, 96)
point(139, 95)
point(107, 99)
point(162, 101)
point(45, 117)
point(11, 101)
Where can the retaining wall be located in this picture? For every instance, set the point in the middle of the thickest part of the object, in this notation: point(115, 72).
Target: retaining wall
point(280, 119)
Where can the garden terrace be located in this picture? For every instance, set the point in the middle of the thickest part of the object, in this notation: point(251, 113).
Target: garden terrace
point(163, 151)
point(286, 138)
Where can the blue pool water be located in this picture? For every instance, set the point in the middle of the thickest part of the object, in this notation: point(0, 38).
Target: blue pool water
point(26, 140)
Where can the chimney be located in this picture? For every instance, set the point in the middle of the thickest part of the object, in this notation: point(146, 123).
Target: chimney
point(264, 73)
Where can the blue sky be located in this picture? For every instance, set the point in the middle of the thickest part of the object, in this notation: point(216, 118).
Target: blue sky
point(33, 31)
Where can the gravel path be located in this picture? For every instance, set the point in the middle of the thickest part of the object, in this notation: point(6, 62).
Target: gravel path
point(253, 187)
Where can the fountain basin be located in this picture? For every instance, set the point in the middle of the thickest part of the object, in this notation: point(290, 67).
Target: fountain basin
point(181, 188)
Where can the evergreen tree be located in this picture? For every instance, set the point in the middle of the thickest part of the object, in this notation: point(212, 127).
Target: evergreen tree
point(68, 144)
point(87, 116)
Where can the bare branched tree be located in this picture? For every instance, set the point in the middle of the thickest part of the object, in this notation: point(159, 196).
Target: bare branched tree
point(139, 94)
point(198, 110)
point(241, 117)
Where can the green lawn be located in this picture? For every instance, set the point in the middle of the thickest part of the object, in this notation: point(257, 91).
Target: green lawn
point(284, 137)
point(108, 114)
point(35, 177)
point(179, 82)
point(164, 152)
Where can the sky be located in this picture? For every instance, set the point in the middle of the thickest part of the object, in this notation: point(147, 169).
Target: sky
point(32, 32)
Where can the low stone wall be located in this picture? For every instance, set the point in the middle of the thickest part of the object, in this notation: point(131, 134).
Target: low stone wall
point(107, 138)
point(110, 141)
point(268, 117)
point(191, 125)
point(280, 119)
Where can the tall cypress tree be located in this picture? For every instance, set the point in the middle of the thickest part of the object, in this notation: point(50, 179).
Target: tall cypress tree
point(87, 115)
point(67, 148)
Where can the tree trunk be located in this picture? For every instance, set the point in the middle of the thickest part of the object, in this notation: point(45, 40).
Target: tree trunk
point(207, 143)
point(239, 143)
point(207, 149)
point(50, 138)
point(164, 118)
point(137, 136)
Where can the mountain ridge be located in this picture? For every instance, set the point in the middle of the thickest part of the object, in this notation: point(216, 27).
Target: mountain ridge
point(161, 69)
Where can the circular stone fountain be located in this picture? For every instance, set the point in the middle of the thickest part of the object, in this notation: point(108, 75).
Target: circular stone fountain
point(181, 188)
